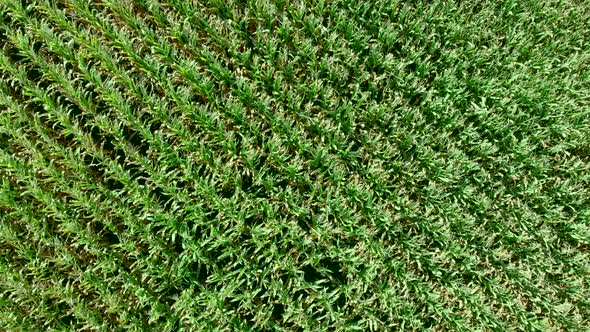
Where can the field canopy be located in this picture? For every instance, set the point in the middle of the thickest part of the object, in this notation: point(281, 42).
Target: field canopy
point(294, 165)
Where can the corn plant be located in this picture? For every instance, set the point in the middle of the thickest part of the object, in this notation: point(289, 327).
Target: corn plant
point(309, 165)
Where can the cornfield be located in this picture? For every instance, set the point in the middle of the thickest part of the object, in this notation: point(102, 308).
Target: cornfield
point(308, 165)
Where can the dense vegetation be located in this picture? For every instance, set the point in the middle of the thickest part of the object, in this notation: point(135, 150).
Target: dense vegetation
point(294, 165)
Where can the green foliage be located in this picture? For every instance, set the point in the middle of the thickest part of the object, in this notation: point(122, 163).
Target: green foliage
point(294, 166)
